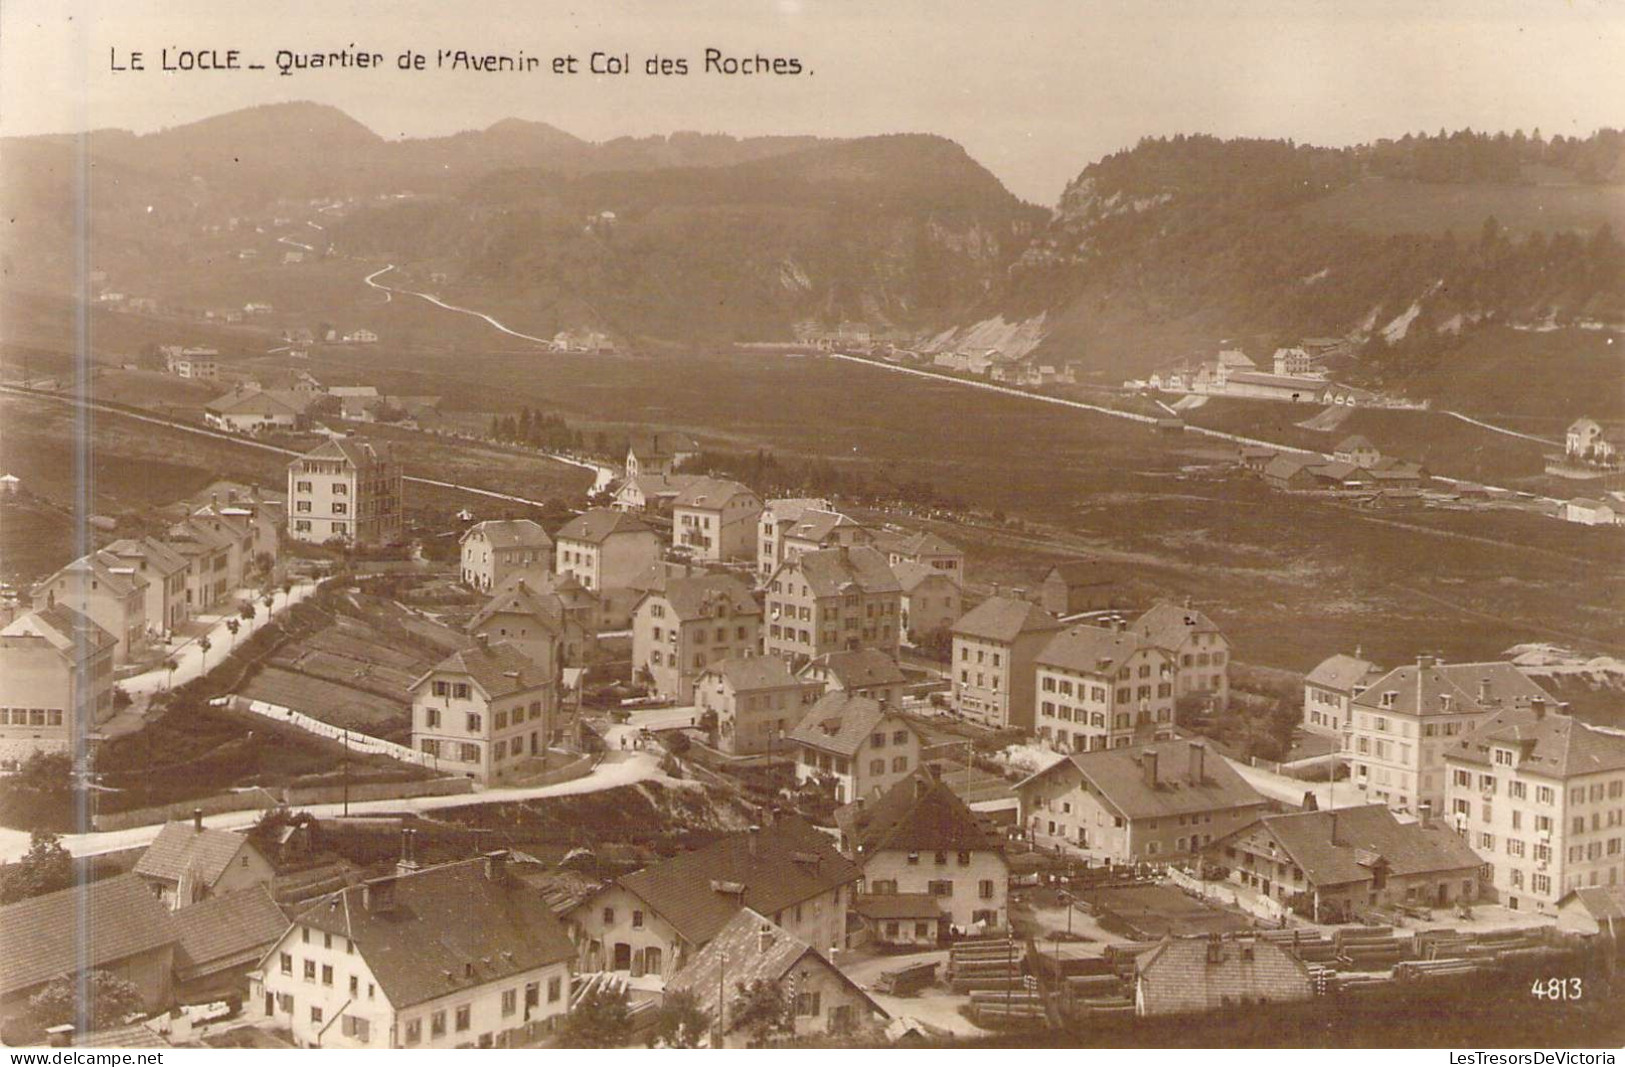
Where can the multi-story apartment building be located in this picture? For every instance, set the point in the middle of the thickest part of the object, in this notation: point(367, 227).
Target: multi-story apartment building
point(1540, 796)
point(833, 600)
point(932, 601)
point(993, 650)
point(927, 550)
point(814, 530)
point(714, 520)
point(689, 624)
point(1103, 688)
point(1146, 802)
point(757, 702)
point(484, 711)
point(1405, 721)
point(208, 553)
point(607, 551)
point(551, 621)
point(864, 673)
point(462, 955)
point(857, 743)
point(347, 491)
point(108, 592)
point(777, 517)
point(56, 682)
point(494, 549)
point(1200, 652)
point(1329, 691)
point(165, 572)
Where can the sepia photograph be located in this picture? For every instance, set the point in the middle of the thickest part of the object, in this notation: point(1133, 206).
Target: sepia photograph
point(813, 524)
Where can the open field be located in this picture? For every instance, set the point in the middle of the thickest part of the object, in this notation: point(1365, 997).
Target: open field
point(1384, 206)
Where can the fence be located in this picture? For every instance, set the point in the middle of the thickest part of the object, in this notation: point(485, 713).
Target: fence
point(260, 799)
point(1251, 903)
point(359, 742)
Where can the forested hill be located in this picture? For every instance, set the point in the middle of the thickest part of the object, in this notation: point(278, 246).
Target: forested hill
point(1163, 251)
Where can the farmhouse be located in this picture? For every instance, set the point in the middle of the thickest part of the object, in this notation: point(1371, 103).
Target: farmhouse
point(652, 492)
point(855, 743)
point(254, 411)
point(1150, 802)
point(1193, 975)
point(1297, 390)
point(458, 955)
point(1588, 512)
point(925, 549)
point(659, 453)
point(1357, 451)
point(1589, 443)
point(1328, 864)
point(222, 939)
point(188, 862)
point(549, 619)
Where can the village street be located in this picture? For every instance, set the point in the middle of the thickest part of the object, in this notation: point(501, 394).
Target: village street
point(190, 657)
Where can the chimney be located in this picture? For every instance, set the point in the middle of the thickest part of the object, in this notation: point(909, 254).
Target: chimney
point(1484, 691)
point(378, 895)
point(483, 641)
point(496, 864)
point(1538, 706)
point(1215, 949)
point(1424, 814)
point(1245, 948)
point(197, 820)
point(752, 837)
point(1198, 762)
point(1148, 764)
point(764, 938)
point(1425, 660)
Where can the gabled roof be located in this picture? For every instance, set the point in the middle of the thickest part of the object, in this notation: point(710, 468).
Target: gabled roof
point(227, 930)
point(448, 929)
point(859, 669)
point(497, 667)
point(359, 454)
point(659, 485)
point(1354, 443)
point(839, 722)
point(663, 443)
point(521, 598)
point(918, 814)
point(1120, 777)
point(911, 575)
point(64, 629)
point(159, 556)
point(710, 494)
point(1340, 846)
point(835, 571)
point(745, 674)
point(509, 533)
point(597, 525)
point(770, 869)
point(1177, 976)
point(749, 948)
point(1000, 618)
point(1286, 465)
point(1075, 572)
point(885, 906)
point(1549, 744)
point(181, 848)
point(1421, 688)
point(1091, 649)
point(80, 928)
point(785, 510)
point(257, 402)
point(1601, 902)
point(1343, 673)
point(698, 596)
point(106, 570)
point(1169, 626)
point(922, 543)
point(817, 526)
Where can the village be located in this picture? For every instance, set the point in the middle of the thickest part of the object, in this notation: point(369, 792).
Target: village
point(955, 810)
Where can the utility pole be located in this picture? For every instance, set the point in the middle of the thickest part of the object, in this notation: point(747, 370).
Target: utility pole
point(346, 774)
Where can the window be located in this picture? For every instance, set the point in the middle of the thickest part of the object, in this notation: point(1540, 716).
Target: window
point(355, 986)
point(555, 989)
point(609, 916)
point(462, 1018)
point(964, 859)
point(414, 1031)
point(315, 1013)
point(310, 970)
point(510, 1001)
point(637, 919)
point(287, 963)
point(437, 1024)
point(899, 764)
point(808, 1004)
point(943, 887)
point(877, 766)
point(984, 889)
point(327, 974)
point(360, 1029)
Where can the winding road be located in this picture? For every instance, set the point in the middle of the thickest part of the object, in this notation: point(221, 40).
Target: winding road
point(437, 302)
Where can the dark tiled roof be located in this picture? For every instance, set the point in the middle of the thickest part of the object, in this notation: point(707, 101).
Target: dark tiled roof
point(1176, 977)
point(1091, 649)
point(449, 928)
point(359, 454)
point(898, 906)
point(835, 571)
point(922, 543)
point(1353, 443)
point(597, 524)
point(83, 927)
point(1556, 746)
point(1169, 626)
point(664, 443)
point(839, 722)
point(498, 668)
point(1120, 777)
point(161, 557)
point(1082, 572)
point(817, 526)
point(1329, 845)
point(65, 630)
point(1420, 689)
point(1343, 672)
point(181, 847)
point(1000, 618)
point(910, 575)
point(860, 668)
point(918, 814)
point(521, 598)
point(746, 674)
point(698, 597)
point(789, 862)
point(710, 494)
point(1602, 902)
point(227, 930)
point(510, 533)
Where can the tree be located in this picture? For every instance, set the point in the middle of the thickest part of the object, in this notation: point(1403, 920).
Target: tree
point(600, 1019)
point(103, 1002)
point(232, 626)
point(204, 644)
point(268, 599)
point(762, 1010)
point(247, 611)
point(44, 868)
point(680, 1022)
point(170, 663)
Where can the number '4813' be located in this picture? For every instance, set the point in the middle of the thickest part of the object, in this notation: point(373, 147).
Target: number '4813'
point(1557, 989)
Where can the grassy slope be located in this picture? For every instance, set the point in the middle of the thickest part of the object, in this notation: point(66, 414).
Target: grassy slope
point(1382, 206)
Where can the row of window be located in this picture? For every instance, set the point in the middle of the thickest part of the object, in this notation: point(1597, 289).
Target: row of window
point(339, 488)
point(937, 887)
point(30, 716)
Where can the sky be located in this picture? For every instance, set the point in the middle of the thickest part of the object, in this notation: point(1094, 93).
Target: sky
point(1033, 89)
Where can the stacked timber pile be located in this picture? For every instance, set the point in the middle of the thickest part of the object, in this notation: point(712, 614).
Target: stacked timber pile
point(1092, 995)
point(990, 965)
point(1122, 955)
point(1310, 946)
point(1018, 1005)
point(1373, 948)
point(1508, 944)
